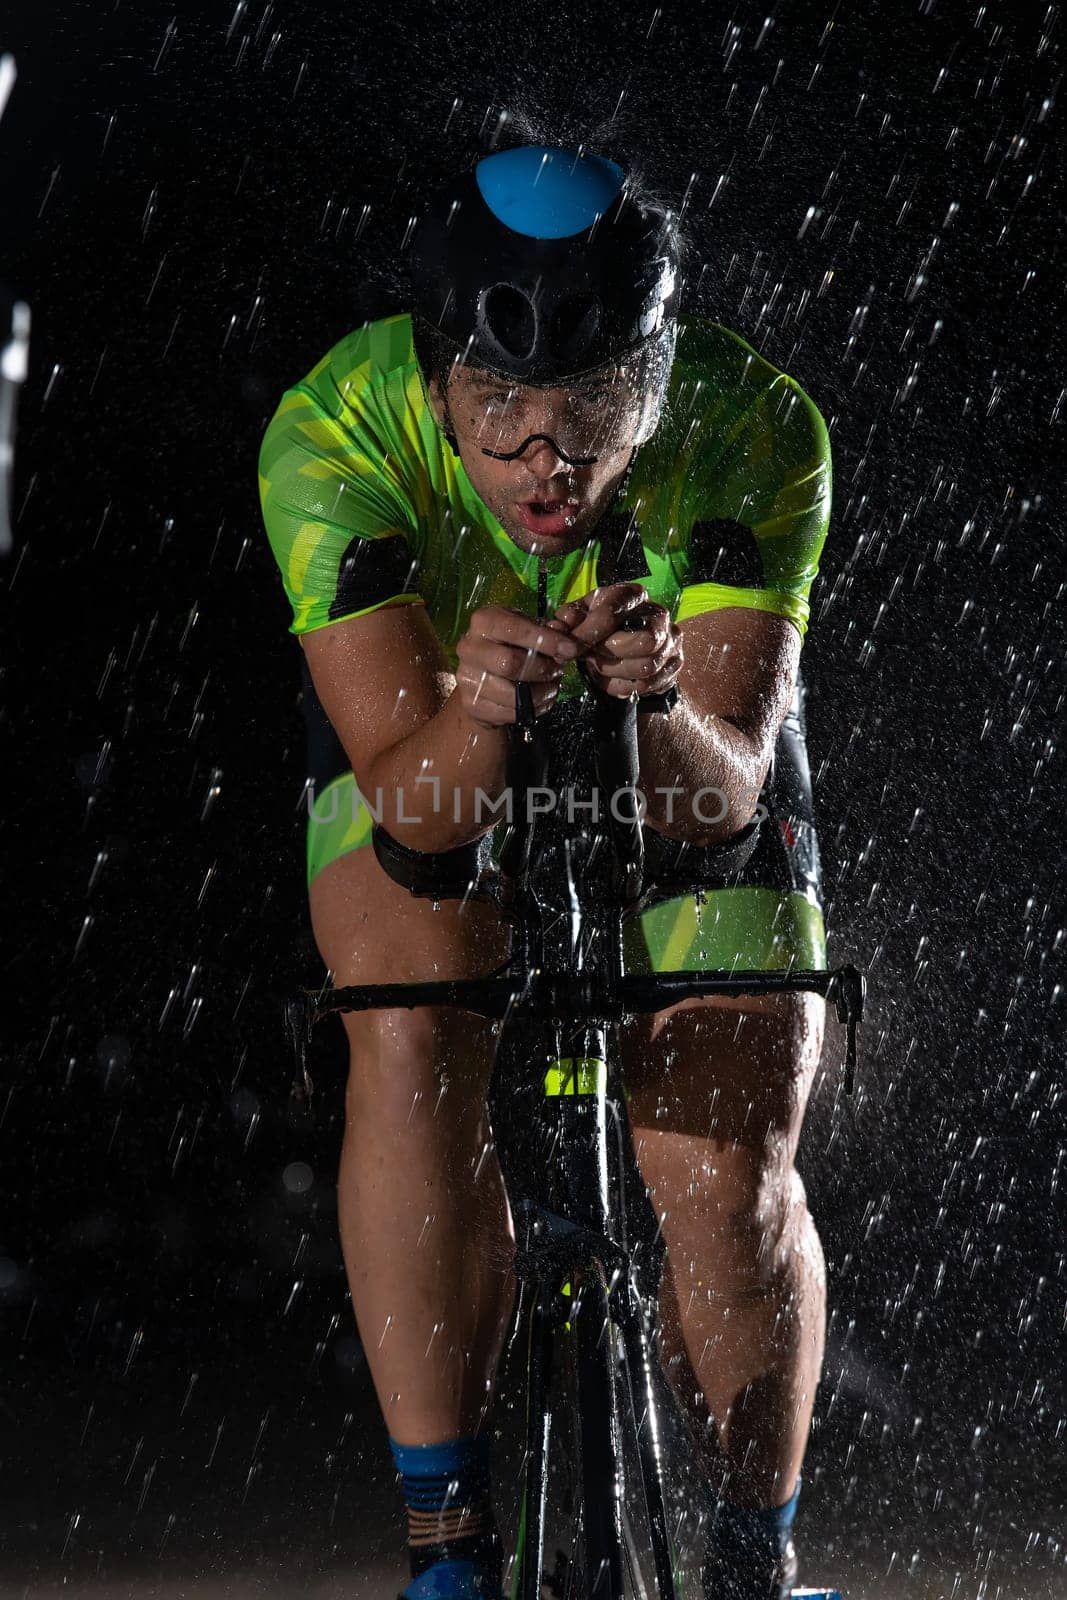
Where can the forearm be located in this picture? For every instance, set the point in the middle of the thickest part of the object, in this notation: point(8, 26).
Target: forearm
point(433, 789)
point(700, 775)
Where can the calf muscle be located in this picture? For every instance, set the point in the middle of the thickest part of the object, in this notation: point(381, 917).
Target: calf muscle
point(423, 1214)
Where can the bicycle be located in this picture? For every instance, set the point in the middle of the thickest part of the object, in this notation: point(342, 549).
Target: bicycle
point(578, 1275)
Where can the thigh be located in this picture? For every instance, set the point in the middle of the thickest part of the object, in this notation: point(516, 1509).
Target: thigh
point(731, 1070)
point(369, 930)
point(739, 1069)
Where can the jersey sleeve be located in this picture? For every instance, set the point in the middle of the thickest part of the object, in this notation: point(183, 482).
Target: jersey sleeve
point(761, 510)
point(334, 514)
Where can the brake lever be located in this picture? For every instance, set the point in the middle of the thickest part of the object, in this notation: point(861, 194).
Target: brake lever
point(849, 990)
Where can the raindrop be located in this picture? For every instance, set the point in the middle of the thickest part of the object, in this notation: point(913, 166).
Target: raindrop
point(213, 791)
point(809, 217)
point(298, 1177)
point(113, 1055)
point(168, 39)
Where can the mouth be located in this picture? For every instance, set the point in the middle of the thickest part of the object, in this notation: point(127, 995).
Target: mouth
point(550, 515)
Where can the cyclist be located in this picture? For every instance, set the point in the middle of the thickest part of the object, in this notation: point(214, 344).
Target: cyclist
point(546, 410)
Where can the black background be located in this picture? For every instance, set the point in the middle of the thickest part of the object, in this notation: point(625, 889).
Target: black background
point(197, 204)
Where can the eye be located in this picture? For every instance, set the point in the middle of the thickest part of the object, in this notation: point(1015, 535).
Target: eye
point(595, 397)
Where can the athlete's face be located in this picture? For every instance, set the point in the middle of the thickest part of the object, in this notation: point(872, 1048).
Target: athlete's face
point(577, 496)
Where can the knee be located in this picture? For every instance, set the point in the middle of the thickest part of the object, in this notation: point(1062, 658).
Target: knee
point(757, 1203)
point(741, 1072)
point(398, 1066)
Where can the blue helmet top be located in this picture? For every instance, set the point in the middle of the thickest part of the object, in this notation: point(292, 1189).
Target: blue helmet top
point(539, 263)
point(548, 193)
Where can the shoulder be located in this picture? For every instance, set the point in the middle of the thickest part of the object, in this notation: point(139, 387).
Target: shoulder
point(367, 355)
point(708, 352)
point(719, 361)
point(360, 411)
point(362, 368)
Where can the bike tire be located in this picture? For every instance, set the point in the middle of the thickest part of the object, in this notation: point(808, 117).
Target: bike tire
point(600, 1440)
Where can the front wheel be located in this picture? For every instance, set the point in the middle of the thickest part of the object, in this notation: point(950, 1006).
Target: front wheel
point(599, 1439)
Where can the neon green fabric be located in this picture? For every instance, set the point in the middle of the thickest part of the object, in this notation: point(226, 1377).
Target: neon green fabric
point(338, 822)
point(354, 452)
point(749, 929)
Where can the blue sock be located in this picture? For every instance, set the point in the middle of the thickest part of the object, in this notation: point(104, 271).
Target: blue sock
point(747, 1526)
point(453, 1544)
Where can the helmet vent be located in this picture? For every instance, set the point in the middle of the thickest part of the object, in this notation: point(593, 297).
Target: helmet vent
point(508, 317)
point(574, 327)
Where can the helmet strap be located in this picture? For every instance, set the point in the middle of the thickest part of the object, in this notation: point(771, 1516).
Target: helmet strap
point(449, 429)
point(448, 426)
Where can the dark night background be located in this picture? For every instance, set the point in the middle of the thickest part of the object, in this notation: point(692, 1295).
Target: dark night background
point(197, 204)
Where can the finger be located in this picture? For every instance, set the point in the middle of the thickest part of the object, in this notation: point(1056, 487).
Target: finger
point(637, 669)
point(569, 615)
point(484, 690)
point(607, 607)
point(510, 627)
point(664, 679)
point(544, 697)
point(620, 596)
point(597, 626)
point(492, 698)
point(486, 711)
point(666, 663)
point(610, 681)
point(648, 641)
point(661, 670)
point(643, 665)
point(620, 688)
point(650, 618)
point(504, 661)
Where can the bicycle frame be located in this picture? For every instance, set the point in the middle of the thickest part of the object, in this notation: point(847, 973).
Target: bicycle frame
point(579, 1243)
point(580, 1246)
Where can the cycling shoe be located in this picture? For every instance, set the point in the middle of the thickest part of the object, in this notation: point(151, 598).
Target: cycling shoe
point(743, 1572)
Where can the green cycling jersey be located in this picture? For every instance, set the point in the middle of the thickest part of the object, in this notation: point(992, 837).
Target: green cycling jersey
point(366, 505)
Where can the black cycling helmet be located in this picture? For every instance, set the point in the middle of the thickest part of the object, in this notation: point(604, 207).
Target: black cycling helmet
point(537, 263)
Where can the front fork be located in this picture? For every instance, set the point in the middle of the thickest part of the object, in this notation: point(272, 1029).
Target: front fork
point(582, 1246)
point(529, 1570)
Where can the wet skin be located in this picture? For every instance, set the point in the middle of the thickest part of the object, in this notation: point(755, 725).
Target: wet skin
point(538, 472)
point(719, 1088)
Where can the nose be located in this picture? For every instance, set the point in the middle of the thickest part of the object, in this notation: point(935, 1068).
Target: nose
point(543, 459)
